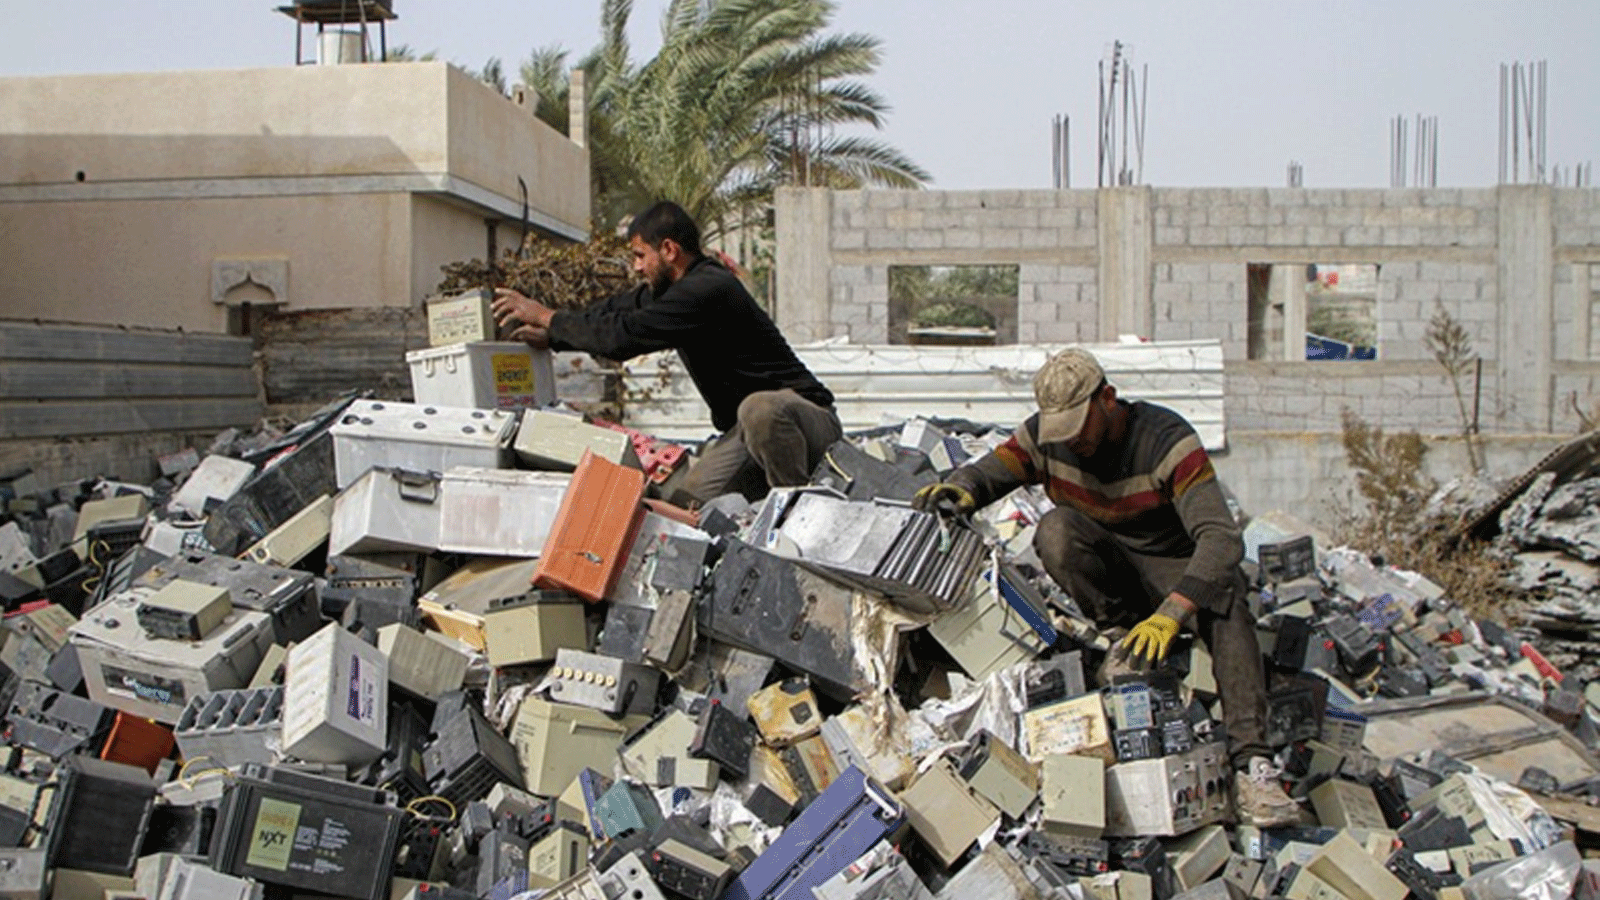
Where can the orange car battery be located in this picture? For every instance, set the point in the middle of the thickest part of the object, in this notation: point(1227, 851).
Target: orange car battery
point(594, 529)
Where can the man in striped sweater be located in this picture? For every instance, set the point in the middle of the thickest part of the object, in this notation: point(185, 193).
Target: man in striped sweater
point(1140, 536)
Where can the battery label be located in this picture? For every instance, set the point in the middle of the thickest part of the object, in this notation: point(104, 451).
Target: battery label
point(277, 822)
point(143, 686)
point(361, 700)
point(513, 375)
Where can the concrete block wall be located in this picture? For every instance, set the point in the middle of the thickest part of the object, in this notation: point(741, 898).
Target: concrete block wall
point(1517, 266)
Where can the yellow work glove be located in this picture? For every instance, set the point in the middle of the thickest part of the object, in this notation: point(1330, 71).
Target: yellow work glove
point(944, 497)
point(1151, 639)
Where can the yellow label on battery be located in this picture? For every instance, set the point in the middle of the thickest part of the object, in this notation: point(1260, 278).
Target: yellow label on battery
point(273, 836)
point(513, 373)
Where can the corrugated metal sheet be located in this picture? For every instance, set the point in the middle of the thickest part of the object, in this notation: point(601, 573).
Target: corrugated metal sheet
point(878, 384)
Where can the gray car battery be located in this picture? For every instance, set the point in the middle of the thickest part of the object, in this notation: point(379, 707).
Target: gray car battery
point(658, 755)
point(880, 874)
point(184, 610)
point(287, 596)
point(858, 475)
point(153, 678)
point(231, 727)
point(1000, 774)
point(54, 722)
point(602, 682)
point(534, 627)
point(388, 579)
point(724, 736)
point(771, 605)
point(914, 558)
point(391, 509)
point(22, 873)
point(1168, 796)
point(688, 872)
point(381, 433)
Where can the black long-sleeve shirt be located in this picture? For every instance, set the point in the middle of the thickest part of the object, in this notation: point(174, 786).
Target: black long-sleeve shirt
point(729, 345)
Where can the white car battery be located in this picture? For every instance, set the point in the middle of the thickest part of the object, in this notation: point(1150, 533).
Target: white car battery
point(418, 437)
point(498, 512)
point(386, 510)
point(155, 678)
point(335, 699)
point(557, 441)
point(217, 478)
point(483, 375)
point(466, 316)
point(1167, 796)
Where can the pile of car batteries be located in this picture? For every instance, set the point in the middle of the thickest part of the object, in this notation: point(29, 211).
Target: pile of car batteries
point(272, 675)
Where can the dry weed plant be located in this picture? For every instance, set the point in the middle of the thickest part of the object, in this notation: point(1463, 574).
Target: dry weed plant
point(1397, 524)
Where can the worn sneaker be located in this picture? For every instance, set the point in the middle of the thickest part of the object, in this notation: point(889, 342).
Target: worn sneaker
point(1260, 799)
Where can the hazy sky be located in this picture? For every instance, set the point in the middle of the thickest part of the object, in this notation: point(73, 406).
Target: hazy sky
point(1236, 88)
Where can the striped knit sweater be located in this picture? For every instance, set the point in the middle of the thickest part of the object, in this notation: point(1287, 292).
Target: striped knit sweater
point(1155, 491)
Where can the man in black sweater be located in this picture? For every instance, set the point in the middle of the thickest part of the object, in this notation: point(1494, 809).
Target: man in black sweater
point(776, 418)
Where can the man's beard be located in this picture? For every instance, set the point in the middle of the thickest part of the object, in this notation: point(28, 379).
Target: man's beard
point(659, 283)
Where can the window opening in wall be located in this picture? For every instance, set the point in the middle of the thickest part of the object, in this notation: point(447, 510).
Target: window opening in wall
point(1313, 311)
point(953, 305)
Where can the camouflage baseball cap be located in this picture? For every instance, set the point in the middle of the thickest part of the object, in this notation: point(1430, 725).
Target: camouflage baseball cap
point(1063, 388)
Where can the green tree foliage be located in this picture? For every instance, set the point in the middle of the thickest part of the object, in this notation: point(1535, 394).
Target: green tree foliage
point(743, 96)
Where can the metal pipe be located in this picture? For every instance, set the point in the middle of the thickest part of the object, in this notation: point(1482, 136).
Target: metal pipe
point(1502, 123)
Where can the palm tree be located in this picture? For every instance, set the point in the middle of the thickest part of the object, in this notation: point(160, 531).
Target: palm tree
point(743, 96)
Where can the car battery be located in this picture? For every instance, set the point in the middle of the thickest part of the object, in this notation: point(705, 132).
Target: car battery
point(1137, 743)
point(858, 475)
point(485, 374)
point(280, 491)
point(468, 757)
point(22, 873)
point(592, 785)
point(56, 723)
point(124, 508)
point(1343, 730)
point(1076, 726)
point(422, 663)
point(125, 670)
point(335, 699)
point(1057, 678)
point(724, 736)
point(1293, 715)
point(688, 872)
point(1073, 796)
point(658, 754)
point(1000, 774)
point(1346, 804)
point(216, 479)
point(138, 742)
point(498, 512)
point(1168, 796)
point(772, 606)
point(852, 815)
point(180, 830)
point(1401, 682)
point(1288, 559)
point(629, 877)
point(555, 741)
point(501, 856)
point(286, 595)
point(533, 627)
point(1002, 624)
point(387, 510)
point(297, 537)
point(387, 579)
point(1146, 856)
point(1079, 856)
point(855, 738)
point(602, 682)
point(187, 880)
point(947, 813)
point(560, 855)
point(771, 795)
point(93, 793)
point(785, 711)
point(231, 727)
point(1129, 706)
point(593, 533)
point(1359, 651)
point(184, 610)
point(812, 767)
point(659, 636)
point(426, 437)
point(627, 808)
point(667, 554)
point(302, 831)
point(557, 441)
point(459, 318)
point(170, 538)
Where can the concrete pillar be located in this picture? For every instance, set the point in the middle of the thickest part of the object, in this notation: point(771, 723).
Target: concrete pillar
point(1287, 291)
point(1527, 308)
point(803, 303)
point(1126, 305)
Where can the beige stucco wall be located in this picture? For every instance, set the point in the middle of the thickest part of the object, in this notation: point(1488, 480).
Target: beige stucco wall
point(149, 262)
point(365, 179)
